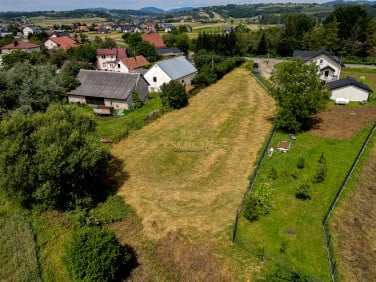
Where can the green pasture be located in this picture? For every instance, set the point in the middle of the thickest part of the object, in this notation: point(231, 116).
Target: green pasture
point(292, 233)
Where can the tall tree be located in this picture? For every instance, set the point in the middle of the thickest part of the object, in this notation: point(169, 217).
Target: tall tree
point(299, 94)
point(30, 88)
point(52, 159)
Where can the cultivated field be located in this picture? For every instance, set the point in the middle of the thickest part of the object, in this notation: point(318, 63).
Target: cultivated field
point(187, 171)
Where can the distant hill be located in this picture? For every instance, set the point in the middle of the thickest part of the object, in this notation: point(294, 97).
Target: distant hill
point(181, 9)
point(99, 9)
point(152, 10)
point(348, 2)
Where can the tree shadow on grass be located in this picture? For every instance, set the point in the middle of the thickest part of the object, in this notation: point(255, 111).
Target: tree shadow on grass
point(313, 123)
point(116, 175)
point(131, 264)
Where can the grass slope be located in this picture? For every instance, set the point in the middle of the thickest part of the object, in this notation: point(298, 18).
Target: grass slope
point(188, 170)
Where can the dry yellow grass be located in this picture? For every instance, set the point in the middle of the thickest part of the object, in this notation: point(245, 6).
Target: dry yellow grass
point(354, 228)
point(197, 191)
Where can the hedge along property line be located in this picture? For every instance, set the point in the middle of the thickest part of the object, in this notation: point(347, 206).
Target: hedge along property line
point(327, 236)
point(252, 181)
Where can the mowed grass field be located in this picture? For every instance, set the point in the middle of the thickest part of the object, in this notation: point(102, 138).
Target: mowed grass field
point(188, 170)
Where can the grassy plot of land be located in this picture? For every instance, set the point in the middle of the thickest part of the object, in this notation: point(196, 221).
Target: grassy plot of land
point(353, 227)
point(117, 127)
point(187, 171)
point(293, 233)
point(18, 256)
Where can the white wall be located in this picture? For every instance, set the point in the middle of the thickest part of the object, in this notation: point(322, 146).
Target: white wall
point(50, 44)
point(76, 99)
point(108, 63)
point(353, 93)
point(160, 76)
point(323, 61)
point(117, 104)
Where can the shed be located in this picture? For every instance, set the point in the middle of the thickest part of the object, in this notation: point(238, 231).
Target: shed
point(349, 88)
point(113, 89)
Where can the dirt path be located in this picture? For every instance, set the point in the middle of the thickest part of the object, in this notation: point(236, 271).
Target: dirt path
point(188, 170)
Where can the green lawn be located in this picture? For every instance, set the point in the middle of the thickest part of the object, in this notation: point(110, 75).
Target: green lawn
point(116, 127)
point(295, 225)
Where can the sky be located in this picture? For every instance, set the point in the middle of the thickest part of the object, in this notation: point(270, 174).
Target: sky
point(63, 5)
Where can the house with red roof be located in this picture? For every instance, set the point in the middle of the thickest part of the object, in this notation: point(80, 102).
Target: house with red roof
point(62, 42)
point(20, 45)
point(108, 59)
point(154, 38)
point(132, 64)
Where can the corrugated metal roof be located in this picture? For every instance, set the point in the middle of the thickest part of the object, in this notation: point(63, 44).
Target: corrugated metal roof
point(113, 85)
point(177, 67)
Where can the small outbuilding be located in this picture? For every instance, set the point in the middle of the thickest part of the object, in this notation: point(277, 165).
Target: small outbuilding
point(284, 146)
point(349, 88)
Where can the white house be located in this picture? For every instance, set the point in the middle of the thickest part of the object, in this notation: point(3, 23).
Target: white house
point(329, 65)
point(31, 30)
point(113, 89)
point(108, 59)
point(178, 68)
point(61, 42)
point(349, 88)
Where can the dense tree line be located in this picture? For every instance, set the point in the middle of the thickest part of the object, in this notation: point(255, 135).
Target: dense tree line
point(347, 31)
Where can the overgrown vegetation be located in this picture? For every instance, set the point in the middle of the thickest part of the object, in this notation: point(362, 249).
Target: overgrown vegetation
point(95, 254)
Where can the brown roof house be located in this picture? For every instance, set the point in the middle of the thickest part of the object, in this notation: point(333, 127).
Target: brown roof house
point(113, 89)
point(62, 42)
point(154, 38)
point(20, 45)
point(132, 64)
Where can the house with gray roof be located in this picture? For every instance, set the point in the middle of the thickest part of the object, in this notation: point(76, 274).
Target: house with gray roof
point(328, 64)
point(349, 88)
point(113, 89)
point(178, 68)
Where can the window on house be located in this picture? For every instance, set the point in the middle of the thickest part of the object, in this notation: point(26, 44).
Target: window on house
point(104, 65)
point(321, 61)
point(119, 66)
point(103, 56)
point(326, 73)
point(154, 79)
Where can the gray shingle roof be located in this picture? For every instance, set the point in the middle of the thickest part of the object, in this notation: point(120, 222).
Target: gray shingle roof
point(308, 55)
point(177, 67)
point(113, 85)
point(347, 82)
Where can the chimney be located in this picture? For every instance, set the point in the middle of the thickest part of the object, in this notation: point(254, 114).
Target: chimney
point(15, 42)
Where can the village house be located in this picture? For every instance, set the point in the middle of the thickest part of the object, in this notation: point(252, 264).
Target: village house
point(62, 42)
point(178, 68)
point(112, 89)
point(20, 45)
point(154, 38)
point(31, 30)
point(349, 89)
point(329, 65)
point(108, 59)
point(170, 52)
point(4, 32)
point(132, 64)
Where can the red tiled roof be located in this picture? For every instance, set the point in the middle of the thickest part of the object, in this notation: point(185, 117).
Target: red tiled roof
point(120, 53)
point(154, 38)
point(135, 62)
point(64, 42)
point(20, 45)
